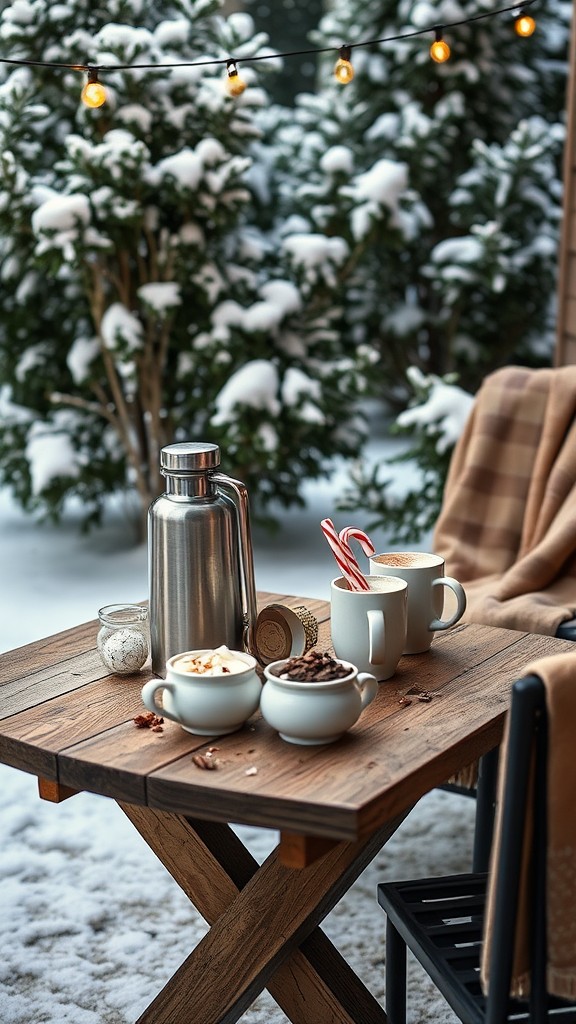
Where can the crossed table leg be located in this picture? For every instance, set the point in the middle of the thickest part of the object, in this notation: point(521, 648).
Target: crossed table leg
point(263, 931)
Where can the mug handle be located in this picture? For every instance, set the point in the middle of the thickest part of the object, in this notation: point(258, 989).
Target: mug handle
point(458, 591)
point(149, 691)
point(368, 686)
point(376, 636)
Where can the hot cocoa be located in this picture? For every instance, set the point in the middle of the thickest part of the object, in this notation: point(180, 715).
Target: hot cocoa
point(423, 571)
point(403, 559)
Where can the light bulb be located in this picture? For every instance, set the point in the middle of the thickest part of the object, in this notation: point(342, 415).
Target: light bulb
point(439, 51)
point(524, 25)
point(343, 70)
point(93, 94)
point(234, 84)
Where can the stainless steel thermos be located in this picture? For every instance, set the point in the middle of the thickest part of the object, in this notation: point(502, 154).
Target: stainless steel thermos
point(200, 563)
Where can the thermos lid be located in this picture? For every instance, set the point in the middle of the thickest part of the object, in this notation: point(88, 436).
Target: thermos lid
point(189, 457)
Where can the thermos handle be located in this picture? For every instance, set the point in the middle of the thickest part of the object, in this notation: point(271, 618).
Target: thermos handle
point(248, 585)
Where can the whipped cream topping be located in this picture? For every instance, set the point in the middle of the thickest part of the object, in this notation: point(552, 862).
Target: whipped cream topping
point(219, 662)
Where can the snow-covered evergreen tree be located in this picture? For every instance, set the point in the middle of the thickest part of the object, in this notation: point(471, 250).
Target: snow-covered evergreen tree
point(443, 179)
point(140, 303)
point(444, 182)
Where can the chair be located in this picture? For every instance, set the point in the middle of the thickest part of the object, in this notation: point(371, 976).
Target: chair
point(484, 792)
point(442, 920)
point(505, 528)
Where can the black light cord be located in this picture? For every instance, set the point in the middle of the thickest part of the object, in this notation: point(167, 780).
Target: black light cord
point(518, 7)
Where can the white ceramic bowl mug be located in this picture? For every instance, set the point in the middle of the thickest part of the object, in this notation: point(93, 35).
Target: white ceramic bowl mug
point(424, 574)
point(205, 705)
point(311, 713)
point(369, 626)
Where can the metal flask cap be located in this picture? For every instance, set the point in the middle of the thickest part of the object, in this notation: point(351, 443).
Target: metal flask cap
point(189, 457)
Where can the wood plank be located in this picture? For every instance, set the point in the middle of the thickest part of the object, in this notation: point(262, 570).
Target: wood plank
point(571, 230)
point(566, 344)
point(86, 739)
point(32, 739)
point(29, 691)
point(565, 352)
point(571, 274)
point(297, 851)
point(269, 918)
point(117, 761)
point(347, 999)
point(50, 651)
point(332, 791)
point(212, 865)
point(54, 792)
point(76, 700)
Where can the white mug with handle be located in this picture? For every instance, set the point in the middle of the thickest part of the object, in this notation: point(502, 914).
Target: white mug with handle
point(369, 626)
point(424, 574)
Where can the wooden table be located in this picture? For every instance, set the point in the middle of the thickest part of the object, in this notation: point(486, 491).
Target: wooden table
point(63, 718)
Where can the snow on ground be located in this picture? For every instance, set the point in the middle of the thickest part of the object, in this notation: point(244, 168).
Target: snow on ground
point(92, 924)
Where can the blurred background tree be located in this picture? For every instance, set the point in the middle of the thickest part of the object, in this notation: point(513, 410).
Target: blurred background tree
point(181, 264)
point(288, 24)
point(444, 180)
point(142, 302)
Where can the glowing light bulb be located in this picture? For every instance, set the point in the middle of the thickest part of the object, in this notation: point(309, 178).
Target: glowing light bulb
point(524, 25)
point(439, 51)
point(93, 94)
point(343, 70)
point(234, 84)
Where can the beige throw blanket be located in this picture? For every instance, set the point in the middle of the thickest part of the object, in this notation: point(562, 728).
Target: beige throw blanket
point(507, 528)
point(559, 676)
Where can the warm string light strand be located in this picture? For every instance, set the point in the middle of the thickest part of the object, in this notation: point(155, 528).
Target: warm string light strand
point(94, 92)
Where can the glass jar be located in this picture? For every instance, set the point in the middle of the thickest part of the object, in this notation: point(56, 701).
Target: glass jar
point(123, 637)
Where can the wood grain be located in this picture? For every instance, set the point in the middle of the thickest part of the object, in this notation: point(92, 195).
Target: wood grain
point(297, 851)
point(272, 915)
point(52, 650)
point(78, 730)
point(390, 758)
point(212, 865)
point(565, 350)
point(54, 792)
point(65, 719)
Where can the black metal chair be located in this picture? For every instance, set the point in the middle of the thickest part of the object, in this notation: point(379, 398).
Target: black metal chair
point(441, 919)
point(484, 792)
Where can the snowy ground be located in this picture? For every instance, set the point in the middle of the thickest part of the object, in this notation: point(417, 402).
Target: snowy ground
point(92, 925)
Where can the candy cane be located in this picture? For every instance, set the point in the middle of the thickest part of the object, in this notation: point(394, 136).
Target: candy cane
point(365, 542)
point(344, 557)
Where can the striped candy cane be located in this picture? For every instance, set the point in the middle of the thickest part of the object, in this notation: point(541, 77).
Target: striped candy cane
point(365, 542)
point(344, 557)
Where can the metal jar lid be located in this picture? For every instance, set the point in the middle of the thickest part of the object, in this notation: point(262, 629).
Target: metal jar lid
point(189, 457)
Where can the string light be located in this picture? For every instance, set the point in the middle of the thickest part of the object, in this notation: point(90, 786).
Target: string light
point(343, 70)
point(524, 25)
point(439, 51)
point(94, 93)
point(234, 84)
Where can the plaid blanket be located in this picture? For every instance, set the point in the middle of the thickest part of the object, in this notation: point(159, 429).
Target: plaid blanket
point(558, 675)
point(507, 527)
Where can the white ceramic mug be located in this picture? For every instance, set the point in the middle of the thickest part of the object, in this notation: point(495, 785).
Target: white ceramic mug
point(205, 705)
point(369, 626)
point(424, 574)
point(310, 713)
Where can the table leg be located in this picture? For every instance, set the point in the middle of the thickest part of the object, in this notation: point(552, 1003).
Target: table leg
point(263, 930)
